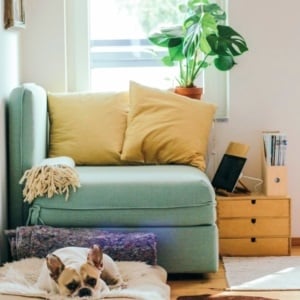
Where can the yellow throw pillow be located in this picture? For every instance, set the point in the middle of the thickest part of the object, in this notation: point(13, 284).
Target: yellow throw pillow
point(89, 127)
point(165, 128)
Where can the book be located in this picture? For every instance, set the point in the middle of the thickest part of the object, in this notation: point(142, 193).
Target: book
point(275, 146)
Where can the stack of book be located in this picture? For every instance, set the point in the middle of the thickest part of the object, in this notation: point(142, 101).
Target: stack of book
point(275, 145)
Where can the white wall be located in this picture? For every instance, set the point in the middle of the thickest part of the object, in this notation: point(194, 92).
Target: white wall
point(263, 87)
point(43, 44)
point(9, 78)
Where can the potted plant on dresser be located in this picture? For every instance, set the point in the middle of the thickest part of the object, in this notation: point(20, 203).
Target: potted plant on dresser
point(202, 40)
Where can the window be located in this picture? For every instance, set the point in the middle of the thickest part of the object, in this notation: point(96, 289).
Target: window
point(110, 47)
point(119, 48)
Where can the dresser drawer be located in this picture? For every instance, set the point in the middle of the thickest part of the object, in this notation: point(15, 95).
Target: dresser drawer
point(254, 246)
point(249, 227)
point(253, 208)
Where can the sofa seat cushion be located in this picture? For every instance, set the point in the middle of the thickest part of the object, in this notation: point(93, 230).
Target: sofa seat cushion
point(164, 195)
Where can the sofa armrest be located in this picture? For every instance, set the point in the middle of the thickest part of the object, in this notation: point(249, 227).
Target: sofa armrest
point(27, 142)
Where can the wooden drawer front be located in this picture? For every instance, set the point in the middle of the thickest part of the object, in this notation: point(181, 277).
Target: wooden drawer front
point(255, 247)
point(253, 208)
point(259, 227)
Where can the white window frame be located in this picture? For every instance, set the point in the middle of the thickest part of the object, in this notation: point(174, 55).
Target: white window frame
point(216, 83)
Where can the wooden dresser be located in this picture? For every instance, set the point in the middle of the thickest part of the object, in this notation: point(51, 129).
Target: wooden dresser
point(254, 225)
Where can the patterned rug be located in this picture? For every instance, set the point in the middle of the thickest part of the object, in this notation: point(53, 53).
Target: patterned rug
point(39, 240)
point(211, 297)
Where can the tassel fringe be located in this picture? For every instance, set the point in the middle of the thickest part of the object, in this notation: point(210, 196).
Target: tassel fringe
point(49, 180)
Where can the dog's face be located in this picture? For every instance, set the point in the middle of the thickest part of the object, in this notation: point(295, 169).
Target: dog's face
point(77, 278)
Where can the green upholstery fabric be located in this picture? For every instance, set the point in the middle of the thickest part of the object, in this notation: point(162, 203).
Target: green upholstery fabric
point(175, 202)
point(184, 249)
point(27, 142)
point(122, 196)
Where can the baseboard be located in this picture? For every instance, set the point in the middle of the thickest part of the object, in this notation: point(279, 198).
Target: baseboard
point(295, 241)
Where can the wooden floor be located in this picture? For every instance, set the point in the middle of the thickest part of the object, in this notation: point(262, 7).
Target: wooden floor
point(215, 284)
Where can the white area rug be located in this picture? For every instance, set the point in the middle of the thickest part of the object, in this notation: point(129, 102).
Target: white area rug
point(144, 282)
point(263, 273)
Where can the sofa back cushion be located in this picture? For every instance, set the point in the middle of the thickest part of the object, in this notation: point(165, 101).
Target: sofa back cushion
point(165, 128)
point(89, 127)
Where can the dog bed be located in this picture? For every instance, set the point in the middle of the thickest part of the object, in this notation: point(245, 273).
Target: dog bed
point(144, 282)
point(39, 240)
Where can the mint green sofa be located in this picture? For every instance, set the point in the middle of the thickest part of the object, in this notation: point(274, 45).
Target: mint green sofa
point(176, 202)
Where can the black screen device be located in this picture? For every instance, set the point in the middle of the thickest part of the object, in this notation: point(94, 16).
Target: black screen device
point(228, 172)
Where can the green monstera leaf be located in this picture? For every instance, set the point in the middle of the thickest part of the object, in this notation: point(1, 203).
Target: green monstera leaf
point(224, 63)
point(227, 42)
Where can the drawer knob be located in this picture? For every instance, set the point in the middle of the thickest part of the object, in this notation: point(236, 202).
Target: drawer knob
point(253, 201)
point(253, 240)
point(253, 220)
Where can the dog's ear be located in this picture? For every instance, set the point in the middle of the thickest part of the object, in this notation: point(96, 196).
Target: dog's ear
point(55, 266)
point(95, 257)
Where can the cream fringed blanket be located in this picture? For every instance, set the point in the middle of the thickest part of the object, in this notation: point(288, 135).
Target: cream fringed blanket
point(52, 176)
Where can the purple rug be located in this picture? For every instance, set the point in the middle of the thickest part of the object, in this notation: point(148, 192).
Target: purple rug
point(38, 241)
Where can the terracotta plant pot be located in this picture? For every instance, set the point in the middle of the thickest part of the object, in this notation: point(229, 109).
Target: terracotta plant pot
point(192, 92)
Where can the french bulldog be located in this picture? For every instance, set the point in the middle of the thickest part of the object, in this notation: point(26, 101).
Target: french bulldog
point(79, 272)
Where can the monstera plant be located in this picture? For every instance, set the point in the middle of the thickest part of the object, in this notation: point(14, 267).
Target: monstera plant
point(203, 39)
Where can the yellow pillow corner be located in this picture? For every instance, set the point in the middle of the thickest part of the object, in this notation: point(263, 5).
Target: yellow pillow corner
point(166, 128)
